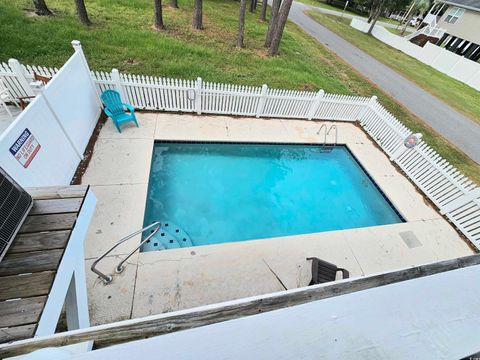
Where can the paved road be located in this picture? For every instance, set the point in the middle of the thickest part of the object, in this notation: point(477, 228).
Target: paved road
point(455, 127)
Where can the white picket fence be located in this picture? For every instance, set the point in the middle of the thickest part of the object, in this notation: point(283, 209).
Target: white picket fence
point(153, 93)
point(17, 77)
point(456, 196)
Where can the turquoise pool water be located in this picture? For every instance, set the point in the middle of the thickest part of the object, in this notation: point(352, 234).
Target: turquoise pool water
point(217, 192)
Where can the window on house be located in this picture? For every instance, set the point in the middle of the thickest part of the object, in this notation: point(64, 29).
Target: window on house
point(454, 14)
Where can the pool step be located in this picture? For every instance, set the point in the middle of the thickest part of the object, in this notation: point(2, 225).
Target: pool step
point(169, 236)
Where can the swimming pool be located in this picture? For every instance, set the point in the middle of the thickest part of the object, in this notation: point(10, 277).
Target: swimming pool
point(210, 193)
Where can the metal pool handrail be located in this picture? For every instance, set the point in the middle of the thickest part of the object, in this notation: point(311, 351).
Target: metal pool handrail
point(336, 133)
point(327, 131)
point(107, 279)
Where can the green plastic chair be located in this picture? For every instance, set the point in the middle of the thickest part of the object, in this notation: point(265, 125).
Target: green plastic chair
point(115, 109)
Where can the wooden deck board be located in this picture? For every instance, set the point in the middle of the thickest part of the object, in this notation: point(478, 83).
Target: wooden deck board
point(58, 192)
point(29, 267)
point(28, 285)
point(21, 311)
point(16, 333)
point(47, 240)
point(56, 206)
point(49, 222)
point(31, 262)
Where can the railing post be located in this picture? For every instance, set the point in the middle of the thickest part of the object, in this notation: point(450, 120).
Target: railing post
point(20, 76)
point(368, 106)
point(315, 104)
point(118, 84)
point(198, 96)
point(262, 101)
point(77, 46)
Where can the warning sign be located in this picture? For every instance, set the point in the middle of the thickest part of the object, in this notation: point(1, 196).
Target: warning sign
point(25, 148)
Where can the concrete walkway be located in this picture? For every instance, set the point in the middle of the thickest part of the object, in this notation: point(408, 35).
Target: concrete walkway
point(453, 126)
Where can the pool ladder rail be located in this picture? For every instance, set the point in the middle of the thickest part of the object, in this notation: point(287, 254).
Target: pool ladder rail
point(107, 279)
point(325, 146)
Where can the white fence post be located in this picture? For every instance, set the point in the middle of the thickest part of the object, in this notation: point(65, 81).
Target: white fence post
point(315, 104)
point(20, 75)
point(198, 96)
point(118, 84)
point(77, 46)
point(262, 101)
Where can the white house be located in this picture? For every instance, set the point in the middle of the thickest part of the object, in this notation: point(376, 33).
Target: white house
point(460, 20)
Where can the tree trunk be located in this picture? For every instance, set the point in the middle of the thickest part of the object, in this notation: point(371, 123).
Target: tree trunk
point(410, 17)
point(82, 12)
point(263, 12)
point(157, 9)
point(241, 23)
point(252, 6)
point(41, 8)
point(373, 8)
point(273, 22)
point(197, 15)
point(374, 21)
point(174, 4)
point(282, 20)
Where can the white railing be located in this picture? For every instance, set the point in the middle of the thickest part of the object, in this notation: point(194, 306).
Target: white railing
point(455, 196)
point(428, 30)
point(430, 19)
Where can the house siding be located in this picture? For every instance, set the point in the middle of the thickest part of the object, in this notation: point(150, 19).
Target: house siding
point(467, 26)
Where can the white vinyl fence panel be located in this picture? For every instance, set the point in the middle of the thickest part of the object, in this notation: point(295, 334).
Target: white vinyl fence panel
point(456, 196)
point(74, 100)
point(46, 142)
point(55, 161)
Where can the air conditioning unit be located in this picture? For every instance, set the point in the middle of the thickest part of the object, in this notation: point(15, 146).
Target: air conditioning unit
point(15, 204)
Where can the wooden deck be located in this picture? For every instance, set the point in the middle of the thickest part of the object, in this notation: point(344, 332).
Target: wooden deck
point(29, 268)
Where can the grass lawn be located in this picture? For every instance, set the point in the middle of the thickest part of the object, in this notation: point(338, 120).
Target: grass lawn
point(455, 93)
point(122, 37)
point(395, 31)
point(324, 5)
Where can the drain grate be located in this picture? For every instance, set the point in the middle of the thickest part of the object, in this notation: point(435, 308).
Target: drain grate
point(410, 239)
point(170, 236)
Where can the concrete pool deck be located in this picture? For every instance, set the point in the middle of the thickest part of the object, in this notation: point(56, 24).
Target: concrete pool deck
point(164, 281)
